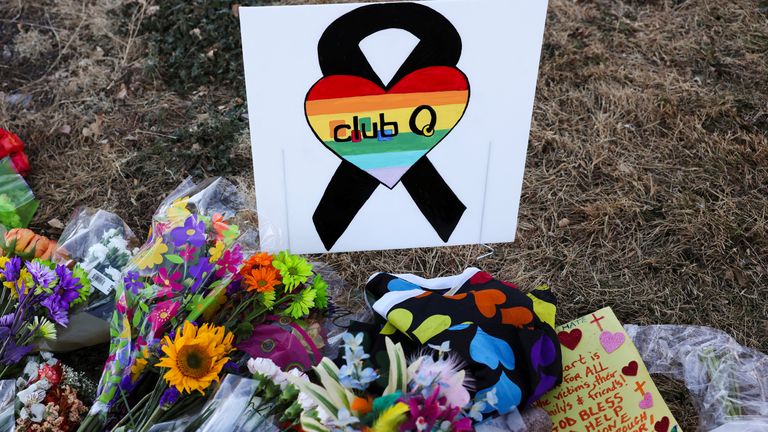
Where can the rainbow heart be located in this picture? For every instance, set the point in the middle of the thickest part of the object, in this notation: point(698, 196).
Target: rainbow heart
point(384, 132)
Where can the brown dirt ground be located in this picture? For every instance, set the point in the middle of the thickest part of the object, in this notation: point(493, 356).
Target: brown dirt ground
point(647, 176)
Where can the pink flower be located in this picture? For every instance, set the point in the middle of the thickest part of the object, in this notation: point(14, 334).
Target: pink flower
point(230, 261)
point(188, 252)
point(162, 313)
point(168, 283)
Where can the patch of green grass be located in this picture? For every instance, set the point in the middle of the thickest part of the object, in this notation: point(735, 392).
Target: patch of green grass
point(197, 42)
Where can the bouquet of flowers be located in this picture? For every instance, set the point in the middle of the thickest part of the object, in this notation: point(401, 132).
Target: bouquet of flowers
point(34, 296)
point(101, 243)
point(427, 394)
point(185, 299)
point(17, 202)
point(48, 396)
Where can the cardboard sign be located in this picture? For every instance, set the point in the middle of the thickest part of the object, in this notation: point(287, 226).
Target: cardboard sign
point(606, 387)
point(390, 125)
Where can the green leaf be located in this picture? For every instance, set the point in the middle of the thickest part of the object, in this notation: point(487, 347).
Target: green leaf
point(329, 376)
point(398, 376)
point(174, 259)
point(319, 394)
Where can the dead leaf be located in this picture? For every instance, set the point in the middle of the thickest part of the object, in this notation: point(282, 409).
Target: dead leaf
point(56, 223)
point(122, 93)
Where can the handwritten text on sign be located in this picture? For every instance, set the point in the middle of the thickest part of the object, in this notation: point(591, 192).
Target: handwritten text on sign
point(606, 387)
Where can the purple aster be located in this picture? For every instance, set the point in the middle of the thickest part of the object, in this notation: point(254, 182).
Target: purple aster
point(41, 274)
point(132, 282)
point(169, 397)
point(193, 232)
point(12, 269)
point(64, 293)
point(200, 273)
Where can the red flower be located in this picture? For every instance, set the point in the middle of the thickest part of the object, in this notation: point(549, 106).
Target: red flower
point(20, 163)
point(51, 373)
point(11, 145)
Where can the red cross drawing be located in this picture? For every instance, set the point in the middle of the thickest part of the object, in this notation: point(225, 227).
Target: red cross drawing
point(639, 387)
point(596, 321)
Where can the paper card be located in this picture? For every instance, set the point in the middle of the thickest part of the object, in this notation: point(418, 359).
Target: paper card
point(606, 386)
point(390, 125)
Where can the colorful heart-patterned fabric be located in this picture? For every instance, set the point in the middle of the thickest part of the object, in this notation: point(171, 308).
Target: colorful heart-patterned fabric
point(504, 336)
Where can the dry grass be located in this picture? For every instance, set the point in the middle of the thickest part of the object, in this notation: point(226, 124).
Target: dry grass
point(646, 186)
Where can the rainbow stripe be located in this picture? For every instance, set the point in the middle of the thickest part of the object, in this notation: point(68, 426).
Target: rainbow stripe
point(337, 100)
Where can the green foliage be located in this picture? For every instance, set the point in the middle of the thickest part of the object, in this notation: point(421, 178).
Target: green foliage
point(197, 42)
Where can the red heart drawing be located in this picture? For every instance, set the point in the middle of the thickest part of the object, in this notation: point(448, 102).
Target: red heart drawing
point(662, 425)
point(570, 339)
point(630, 369)
point(384, 132)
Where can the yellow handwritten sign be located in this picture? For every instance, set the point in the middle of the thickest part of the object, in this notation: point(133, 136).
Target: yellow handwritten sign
point(606, 387)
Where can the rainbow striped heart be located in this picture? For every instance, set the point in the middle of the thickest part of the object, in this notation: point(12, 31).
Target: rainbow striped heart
point(384, 132)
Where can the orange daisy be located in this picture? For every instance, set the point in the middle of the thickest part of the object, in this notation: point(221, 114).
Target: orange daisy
point(262, 279)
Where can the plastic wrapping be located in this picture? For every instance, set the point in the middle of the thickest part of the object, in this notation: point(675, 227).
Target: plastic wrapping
point(101, 243)
point(231, 408)
point(7, 396)
point(184, 266)
point(17, 202)
point(727, 381)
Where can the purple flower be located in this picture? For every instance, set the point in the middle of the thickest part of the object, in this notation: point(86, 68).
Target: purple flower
point(200, 273)
point(193, 232)
point(235, 286)
point(12, 269)
point(132, 282)
point(169, 397)
point(64, 293)
point(41, 274)
point(12, 353)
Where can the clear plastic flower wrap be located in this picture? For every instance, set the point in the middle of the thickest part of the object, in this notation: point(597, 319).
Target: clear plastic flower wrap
point(17, 202)
point(7, 395)
point(189, 258)
point(727, 381)
point(102, 243)
point(190, 305)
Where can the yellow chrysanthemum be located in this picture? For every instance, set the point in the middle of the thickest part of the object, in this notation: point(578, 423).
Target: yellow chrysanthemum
point(195, 356)
point(3, 261)
point(24, 277)
point(151, 257)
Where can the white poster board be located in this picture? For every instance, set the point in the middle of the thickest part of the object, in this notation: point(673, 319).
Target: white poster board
point(390, 125)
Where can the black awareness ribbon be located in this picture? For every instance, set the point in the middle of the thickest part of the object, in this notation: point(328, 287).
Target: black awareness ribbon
point(339, 53)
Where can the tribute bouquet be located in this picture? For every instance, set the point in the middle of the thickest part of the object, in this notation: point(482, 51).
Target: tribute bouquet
point(427, 394)
point(48, 397)
point(34, 296)
point(186, 298)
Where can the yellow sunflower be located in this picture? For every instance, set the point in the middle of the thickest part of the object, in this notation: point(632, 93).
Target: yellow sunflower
point(195, 356)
